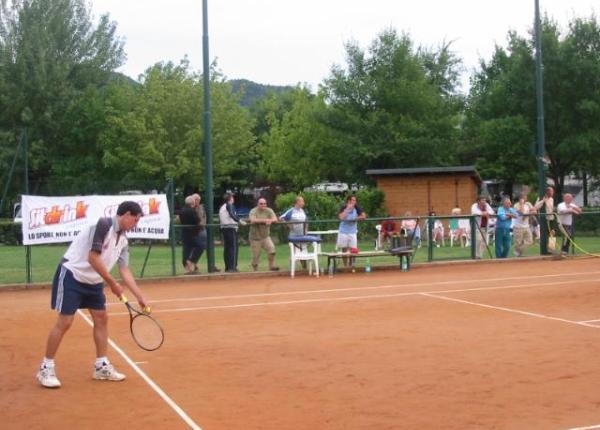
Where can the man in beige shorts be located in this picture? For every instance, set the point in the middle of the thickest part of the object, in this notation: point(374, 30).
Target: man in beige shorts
point(261, 218)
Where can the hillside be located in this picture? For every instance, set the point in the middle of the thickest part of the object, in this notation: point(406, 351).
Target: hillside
point(253, 91)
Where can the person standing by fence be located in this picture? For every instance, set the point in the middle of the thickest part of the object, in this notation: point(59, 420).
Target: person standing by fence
point(506, 214)
point(482, 211)
point(229, 221)
point(565, 210)
point(523, 237)
point(261, 218)
point(190, 236)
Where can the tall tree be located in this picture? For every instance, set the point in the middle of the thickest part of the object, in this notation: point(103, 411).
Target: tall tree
point(503, 93)
point(395, 106)
point(154, 130)
point(52, 58)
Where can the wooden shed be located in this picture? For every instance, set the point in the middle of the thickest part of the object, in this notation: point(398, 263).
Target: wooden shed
point(421, 190)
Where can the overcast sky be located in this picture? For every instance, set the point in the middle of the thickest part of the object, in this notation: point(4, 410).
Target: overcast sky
point(284, 42)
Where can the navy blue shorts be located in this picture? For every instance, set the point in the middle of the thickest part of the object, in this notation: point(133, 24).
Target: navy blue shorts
point(68, 294)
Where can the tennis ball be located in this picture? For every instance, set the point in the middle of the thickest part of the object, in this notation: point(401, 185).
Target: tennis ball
point(147, 309)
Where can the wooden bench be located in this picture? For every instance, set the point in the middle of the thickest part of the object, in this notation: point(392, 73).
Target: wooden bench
point(404, 255)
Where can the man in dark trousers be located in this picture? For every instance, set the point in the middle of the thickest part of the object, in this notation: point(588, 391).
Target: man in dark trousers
point(229, 221)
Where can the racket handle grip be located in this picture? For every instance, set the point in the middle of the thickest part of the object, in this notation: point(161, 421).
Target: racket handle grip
point(123, 298)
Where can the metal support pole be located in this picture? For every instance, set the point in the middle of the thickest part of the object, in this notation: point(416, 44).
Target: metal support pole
point(207, 145)
point(171, 197)
point(28, 268)
point(541, 139)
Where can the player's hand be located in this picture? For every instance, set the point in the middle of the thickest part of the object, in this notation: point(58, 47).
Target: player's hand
point(117, 289)
point(144, 305)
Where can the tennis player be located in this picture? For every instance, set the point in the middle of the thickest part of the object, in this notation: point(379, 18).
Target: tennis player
point(79, 284)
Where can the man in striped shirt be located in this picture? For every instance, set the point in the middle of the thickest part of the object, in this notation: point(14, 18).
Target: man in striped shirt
point(79, 284)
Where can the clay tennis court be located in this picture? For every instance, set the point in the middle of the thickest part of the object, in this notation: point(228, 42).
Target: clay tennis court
point(514, 345)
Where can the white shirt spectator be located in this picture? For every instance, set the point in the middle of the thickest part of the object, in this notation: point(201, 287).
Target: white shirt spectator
point(565, 214)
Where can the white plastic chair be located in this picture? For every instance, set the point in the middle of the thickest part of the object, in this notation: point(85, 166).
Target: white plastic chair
point(378, 240)
point(300, 252)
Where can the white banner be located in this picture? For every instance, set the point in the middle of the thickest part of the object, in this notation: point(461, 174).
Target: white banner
point(60, 219)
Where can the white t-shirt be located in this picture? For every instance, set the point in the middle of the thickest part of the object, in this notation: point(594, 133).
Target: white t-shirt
point(522, 221)
point(566, 218)
point(299, 216)
point(102, 237)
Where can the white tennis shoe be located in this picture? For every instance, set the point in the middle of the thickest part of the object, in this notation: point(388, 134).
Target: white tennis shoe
point(107, 372)
point(47, 377)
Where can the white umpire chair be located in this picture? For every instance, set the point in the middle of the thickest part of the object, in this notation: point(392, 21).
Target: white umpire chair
point(304, 248)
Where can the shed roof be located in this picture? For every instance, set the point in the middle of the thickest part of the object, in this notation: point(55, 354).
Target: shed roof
point(468, 170)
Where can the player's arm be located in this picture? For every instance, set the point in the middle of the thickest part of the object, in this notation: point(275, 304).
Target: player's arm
point(129, 281)
point(360, 213)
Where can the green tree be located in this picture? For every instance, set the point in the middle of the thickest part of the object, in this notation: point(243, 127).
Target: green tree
point(296, 146)
point(501, 115)
point(154, 131)
point(53, 60)
point(393, 106)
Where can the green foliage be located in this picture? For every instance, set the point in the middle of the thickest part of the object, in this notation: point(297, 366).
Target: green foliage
point(501, 114)
point(252, 92)
point(318, 206)
point(10, 233)
point(392, 107)
point(53, 60)
point(155, 130)
point(293, 150)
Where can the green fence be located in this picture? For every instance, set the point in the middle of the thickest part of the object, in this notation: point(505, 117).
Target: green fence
point(163, 258)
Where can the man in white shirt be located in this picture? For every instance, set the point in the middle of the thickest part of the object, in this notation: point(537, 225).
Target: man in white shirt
point(566, 209)
point(79, 284)
point(483, 212)
point(523, 237)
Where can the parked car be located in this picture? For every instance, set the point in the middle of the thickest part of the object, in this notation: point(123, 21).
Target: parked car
point(329, 187)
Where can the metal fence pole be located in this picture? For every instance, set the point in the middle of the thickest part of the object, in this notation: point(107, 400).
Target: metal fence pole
point(171, 192)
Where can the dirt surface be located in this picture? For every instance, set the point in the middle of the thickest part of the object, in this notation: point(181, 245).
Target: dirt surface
point(472, 346)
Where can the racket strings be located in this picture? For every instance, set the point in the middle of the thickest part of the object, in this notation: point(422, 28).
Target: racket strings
point(146, 332)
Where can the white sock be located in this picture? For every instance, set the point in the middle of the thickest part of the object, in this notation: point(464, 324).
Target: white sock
point(48, 362)
point(100, 361)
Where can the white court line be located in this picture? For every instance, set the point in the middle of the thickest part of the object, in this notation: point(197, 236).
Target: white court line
point(185, 417)
point(379, 287)
point(597, 426)
point(589, 321)
point(501, 308)
point(351, 298)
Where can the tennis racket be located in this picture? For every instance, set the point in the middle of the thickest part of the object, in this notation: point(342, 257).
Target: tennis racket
point(145, 330)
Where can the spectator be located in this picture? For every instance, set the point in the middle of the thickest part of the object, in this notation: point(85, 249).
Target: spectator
point(483, 212)
point(202, 239)
point(459, 228)
point(296, 217)
point(506, 213)
point(566, 209)
point(261, 218)
point(411, 229)
point(348, 230)
point(389, 230)
point(190, 235)
point(545, 205)
point(229, 222)
point(437, 233)
point(522, 234)
point(297, 223)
